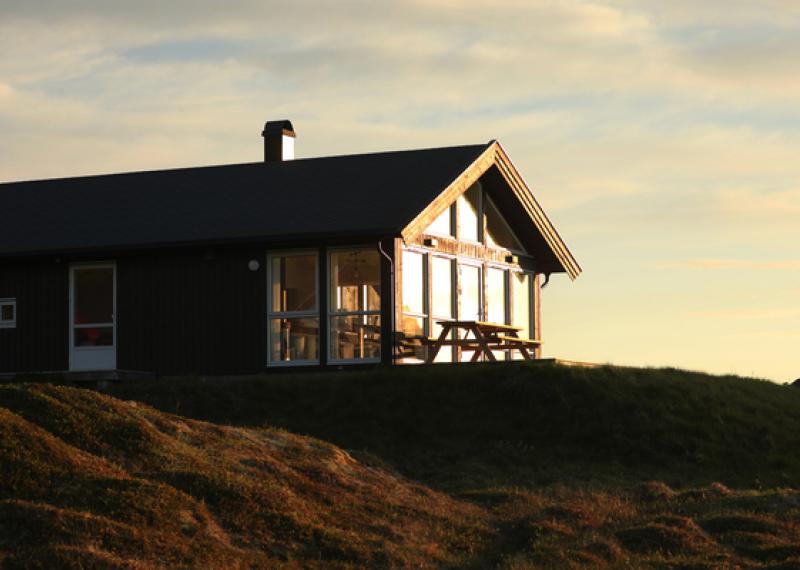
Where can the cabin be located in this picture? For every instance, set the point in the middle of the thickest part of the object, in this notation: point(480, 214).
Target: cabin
point(386, 257)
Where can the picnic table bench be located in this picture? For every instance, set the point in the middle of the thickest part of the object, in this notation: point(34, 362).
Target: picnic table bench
point(487, 337)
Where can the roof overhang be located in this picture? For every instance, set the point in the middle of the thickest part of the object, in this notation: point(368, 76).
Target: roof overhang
point(495, 156)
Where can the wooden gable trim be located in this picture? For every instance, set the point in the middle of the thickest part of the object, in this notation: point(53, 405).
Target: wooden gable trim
point(494, 155)
point(536, 213)
point(449, 195)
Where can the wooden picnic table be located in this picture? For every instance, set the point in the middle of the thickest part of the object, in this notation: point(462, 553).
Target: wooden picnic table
point(487, 337)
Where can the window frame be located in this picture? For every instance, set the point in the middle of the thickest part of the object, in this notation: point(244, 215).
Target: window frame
point(271, 314)
point(8, 302)
point(332, 314)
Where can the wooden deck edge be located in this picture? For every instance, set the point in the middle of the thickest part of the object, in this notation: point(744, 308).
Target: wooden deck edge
point(562, 362)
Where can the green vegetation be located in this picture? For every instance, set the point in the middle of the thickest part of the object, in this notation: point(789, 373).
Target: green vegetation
point(520, 424)
point(492, 466)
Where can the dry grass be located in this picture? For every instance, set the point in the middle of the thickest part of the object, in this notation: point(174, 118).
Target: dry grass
point(535, 468)
point(706, 528)
point(88, 481)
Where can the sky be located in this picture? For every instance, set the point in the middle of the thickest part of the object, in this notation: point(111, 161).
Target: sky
point(662, 138)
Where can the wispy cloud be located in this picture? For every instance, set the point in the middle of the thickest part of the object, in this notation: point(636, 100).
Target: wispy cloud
point(648, 129)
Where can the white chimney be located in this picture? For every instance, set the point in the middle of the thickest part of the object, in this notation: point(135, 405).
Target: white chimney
point(278, 141)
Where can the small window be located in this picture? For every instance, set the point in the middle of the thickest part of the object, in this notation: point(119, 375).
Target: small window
point(8, 313)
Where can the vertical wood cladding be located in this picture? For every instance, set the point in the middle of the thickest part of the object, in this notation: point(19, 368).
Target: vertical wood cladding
point(39, 341)
point(199, 311)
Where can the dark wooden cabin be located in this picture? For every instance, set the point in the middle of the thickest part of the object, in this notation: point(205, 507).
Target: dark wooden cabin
point(235, 269)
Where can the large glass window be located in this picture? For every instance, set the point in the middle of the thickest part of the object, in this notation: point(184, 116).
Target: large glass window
point(498, 232)
point(521, 291)
point(469, 206)
point(414, 323)
point(496, 295)
point(469, 294)
point(413, 294)
point(293, 315)
point(470, 298)
point(521, 304)
point(496, 300)
point(355, 304)
point(443, 224)
point(441, 300)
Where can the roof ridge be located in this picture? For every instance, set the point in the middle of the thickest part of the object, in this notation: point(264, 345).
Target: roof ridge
point(237, 164)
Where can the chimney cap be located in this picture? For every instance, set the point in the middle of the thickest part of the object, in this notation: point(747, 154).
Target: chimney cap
point(283, 127)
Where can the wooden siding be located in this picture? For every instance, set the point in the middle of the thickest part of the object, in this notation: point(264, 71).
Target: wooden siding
point(39, 341)
point(198, 311)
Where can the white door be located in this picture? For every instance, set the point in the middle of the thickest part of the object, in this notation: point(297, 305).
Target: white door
point(92, 309)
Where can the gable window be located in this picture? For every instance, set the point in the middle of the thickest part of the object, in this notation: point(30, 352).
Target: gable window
point(8, 313)
point(293, 333)
point(443, 224)
point(355, 305)
point(469, 217)
point(498, 232)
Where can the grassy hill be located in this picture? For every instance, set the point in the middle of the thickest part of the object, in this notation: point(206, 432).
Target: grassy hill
point(520, 424)
point(512, 467)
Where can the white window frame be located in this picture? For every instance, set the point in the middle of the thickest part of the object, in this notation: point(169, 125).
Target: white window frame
point(271, 315)
point(332, 313)
point(9, 302)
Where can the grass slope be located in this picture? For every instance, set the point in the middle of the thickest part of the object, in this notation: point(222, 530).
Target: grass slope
point(544, 468)
point(520, 424)
point(89, 481)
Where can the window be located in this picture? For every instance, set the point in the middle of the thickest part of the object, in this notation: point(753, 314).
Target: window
point(415, 302)
point(470, 297)
point(469, 208)
point(8, 313)
point(441, 281)
point(521, 304)
point(498, 233)
point(496, 300)
point(355, 305)
point(93, 306)
point(293, 308)
point(443, 224)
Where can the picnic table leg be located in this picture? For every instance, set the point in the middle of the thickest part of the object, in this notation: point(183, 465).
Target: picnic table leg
point(434, 350)
point(525, 354)
point(482, 342)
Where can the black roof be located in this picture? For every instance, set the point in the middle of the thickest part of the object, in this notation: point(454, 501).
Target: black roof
point(363, 194)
